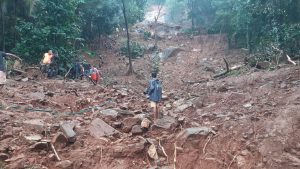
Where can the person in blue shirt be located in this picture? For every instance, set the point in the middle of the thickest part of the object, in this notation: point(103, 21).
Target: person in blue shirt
point(154, 91)
point(3, 57)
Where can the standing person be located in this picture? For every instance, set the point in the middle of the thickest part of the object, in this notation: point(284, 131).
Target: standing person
point(95, 74)
point(154, 91)
point(4, 56)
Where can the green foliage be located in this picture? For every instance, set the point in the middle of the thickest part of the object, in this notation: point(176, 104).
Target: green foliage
point(137, 50)
point(53, 26)
point(147, 35)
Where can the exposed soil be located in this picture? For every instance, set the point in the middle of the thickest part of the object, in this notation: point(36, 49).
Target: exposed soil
point(252, 115)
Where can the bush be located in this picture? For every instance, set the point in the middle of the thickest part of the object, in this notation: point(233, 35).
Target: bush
point(137, 50)
point(147, 35)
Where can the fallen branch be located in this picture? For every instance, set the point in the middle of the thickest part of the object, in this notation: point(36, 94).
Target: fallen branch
point(206, 144)
point(27, 68)
point(194, 82)
point(163, 150)
point(223, 73)
point(19, 71)
point(287, 56)
point(53, 149)
point(175, 155)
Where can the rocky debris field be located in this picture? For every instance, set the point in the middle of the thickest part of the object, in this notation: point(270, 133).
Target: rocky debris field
point(247, 119)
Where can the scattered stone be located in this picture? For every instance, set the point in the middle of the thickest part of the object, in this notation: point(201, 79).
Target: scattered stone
point(136, 130)
point(146, 123)
point(152, 152)
point(117, 124)
point(194, 132)
point(183, 107)
point(52, 157)
point(36, 96)
point(169, 52)
point(181, 119)
point(66, 164)
point(39, 146)
point(3, 156)
point(36, 124)
point(263, 65)
point(129, 150)
point(98, 129)
point(68, 131)
point(168, 106)
point(179, 102)
point(25, 79)
point(110, 113)
point(141, 116)
point(241, 162)
point(166, 123)
point(33, 138)
point(59, 140)
point(129, 122)
point(248, 105)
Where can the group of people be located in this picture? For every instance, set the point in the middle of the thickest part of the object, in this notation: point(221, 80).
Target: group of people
point(79, 70)
point(154, 90)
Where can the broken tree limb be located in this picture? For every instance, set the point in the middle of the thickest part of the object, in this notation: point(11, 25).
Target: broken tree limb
point(286, 55)
point(194, 82)
point(19, 71)
point(290, 60)
point(175, 155)
point(163, 150)
point(55, 152)
point(223, 73)
point(206, 144)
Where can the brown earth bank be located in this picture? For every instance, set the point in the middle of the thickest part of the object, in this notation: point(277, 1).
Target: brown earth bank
point(247, 119)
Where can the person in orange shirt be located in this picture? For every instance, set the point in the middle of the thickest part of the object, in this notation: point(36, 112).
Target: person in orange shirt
point(48, 58)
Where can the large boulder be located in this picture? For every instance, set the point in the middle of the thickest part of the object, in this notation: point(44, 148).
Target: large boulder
point(169, 52)
point(167, 122)
point(98, 129)
point(110, 113)
point(193, 132)
point(129, 122)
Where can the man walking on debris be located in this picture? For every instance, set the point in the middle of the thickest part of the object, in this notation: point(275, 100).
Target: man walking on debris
point(154, 91)
point(4, 56)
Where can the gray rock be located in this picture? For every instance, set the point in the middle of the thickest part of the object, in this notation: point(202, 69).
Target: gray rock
point(36, 124)
point(183, 107)
point(129, 122)
point(145, 123)
point(117, 124)
point(166, 123)
point(169, 52)
point(141, 116)
point(33, 137)
point(68, 131)
point(193, 132)
point(66, 164)
point(263, 65)
point(136, 130)
point(98, 129)
point(3, 156)
point(110, 113)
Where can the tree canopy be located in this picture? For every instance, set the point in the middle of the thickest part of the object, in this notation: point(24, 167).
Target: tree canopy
point(31, 27)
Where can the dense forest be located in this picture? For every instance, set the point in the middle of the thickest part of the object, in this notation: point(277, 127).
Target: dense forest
point(31, 27)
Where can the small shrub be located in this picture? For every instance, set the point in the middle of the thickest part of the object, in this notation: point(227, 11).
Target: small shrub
point(137, 50)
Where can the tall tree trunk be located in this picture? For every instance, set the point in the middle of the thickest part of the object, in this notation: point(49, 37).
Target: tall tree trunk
point(3, 26)
point(130, 70)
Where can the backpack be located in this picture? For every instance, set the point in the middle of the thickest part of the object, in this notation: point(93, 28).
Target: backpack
point(157, 90)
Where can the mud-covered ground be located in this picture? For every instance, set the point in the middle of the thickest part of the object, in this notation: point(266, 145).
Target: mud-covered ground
point(247, 119)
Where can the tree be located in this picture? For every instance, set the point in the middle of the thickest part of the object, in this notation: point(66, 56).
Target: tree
point(53, 25)
point(130, 70)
